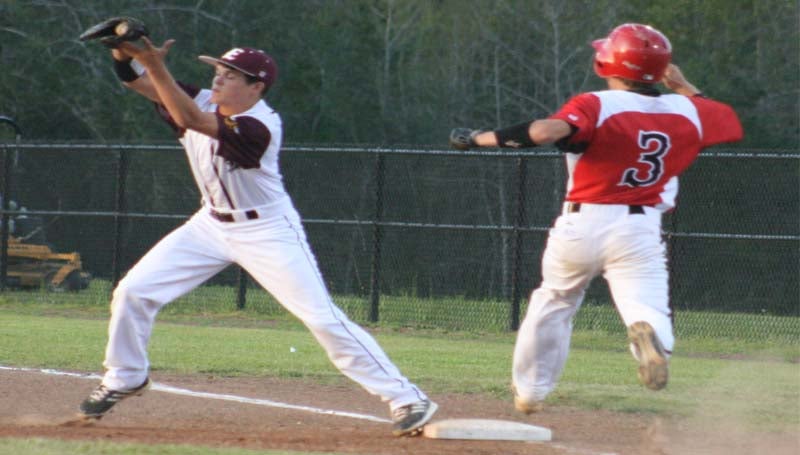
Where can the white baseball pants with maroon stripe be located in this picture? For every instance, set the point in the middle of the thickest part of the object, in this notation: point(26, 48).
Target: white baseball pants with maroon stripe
point(274, 251)
point(600, 239)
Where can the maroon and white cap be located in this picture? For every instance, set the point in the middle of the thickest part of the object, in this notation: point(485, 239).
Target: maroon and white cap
point(252, 62)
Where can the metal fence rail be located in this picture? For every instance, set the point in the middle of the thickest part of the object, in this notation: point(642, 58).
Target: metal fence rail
point(400, 208)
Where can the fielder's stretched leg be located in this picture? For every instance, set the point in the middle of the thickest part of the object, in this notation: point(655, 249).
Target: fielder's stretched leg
point(285, 266)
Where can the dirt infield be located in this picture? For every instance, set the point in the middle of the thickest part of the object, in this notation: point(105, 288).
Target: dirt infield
point(34, 404)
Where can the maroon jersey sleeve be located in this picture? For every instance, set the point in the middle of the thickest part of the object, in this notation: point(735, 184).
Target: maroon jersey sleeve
point(190, 90)
point(242, 140)
point(581, 113)
point(719, 121)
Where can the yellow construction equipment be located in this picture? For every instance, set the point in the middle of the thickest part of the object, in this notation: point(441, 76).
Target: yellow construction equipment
point(35, 265)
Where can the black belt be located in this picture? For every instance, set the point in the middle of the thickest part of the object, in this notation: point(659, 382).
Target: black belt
point(575, 207)
point(228, 218)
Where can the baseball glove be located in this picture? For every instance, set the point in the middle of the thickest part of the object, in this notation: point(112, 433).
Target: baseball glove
point(113, 31)
point(463, 138)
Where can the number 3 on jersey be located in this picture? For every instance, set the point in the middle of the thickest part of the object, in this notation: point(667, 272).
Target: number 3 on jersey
point(654, 145)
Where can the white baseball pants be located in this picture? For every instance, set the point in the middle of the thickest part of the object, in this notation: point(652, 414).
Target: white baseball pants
point(628, 251)
point(274, 251)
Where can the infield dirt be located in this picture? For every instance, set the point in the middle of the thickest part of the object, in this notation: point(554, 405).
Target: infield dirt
point(34, 404)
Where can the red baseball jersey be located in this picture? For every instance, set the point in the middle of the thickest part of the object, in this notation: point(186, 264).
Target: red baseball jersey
point(629, 148)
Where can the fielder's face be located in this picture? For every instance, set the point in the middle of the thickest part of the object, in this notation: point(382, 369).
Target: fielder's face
point(230, 87)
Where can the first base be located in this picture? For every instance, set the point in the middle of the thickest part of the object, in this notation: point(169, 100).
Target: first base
point(486, 429)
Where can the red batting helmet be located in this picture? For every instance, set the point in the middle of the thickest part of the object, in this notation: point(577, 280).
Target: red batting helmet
point(633, 51)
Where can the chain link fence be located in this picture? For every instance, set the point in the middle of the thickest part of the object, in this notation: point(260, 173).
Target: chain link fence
point(429, 237)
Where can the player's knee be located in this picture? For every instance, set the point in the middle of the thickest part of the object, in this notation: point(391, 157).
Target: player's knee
point(130, 295)
point(554, 302)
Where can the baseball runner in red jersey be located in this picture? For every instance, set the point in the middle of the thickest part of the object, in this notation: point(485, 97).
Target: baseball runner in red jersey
point(232, 139)
point(624, 148)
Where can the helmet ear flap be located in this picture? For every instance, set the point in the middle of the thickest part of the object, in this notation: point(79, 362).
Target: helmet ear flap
point(601, 57)
point(598, 68)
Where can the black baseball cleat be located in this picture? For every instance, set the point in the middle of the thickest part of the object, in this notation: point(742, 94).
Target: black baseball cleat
point(653, 364)
point(410, 419)
point(103, 399)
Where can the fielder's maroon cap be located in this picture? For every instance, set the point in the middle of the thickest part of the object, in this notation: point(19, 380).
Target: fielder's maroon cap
point(252, 62)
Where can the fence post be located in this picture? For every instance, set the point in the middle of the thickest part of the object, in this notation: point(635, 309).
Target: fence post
point(120, 209)
point(6, 202)
point(377, 238)
point(5, 219)
point(241, 298)
point(519, 221)
point(671, 280)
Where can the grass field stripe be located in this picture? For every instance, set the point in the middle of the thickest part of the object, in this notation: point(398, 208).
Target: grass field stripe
point(214, 396)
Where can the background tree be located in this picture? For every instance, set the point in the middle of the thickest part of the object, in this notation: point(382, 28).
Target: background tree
point(388, 73)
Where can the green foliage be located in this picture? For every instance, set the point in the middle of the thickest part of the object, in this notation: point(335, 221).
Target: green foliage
point(392, 72)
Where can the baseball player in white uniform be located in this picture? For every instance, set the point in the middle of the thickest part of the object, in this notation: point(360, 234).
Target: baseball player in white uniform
point(624, 147)
point(232, 139)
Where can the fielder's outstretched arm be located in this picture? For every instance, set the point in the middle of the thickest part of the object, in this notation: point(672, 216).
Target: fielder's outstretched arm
point(180, 106)
point(135, 80)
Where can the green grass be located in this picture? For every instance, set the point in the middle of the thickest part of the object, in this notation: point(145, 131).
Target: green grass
point(750, 379)
point(442, 313)
point(599, 373)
